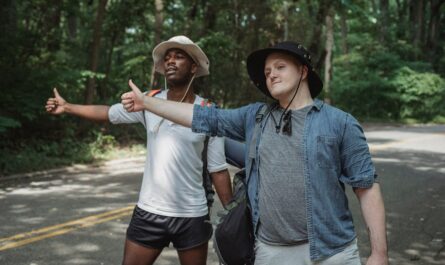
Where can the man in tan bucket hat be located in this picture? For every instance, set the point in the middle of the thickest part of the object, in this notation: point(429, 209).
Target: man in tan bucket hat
point(172, 206)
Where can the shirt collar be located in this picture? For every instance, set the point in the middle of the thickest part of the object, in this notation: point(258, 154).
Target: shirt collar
point(318, 104)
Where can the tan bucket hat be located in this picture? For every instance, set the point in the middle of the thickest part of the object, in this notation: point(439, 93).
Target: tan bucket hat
point(185, 44)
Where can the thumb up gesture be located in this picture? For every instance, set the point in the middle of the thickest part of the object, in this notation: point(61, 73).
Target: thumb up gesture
point(134, 100)
point(55, 105)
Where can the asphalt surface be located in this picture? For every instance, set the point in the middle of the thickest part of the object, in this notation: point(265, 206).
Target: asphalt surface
point(79, 215)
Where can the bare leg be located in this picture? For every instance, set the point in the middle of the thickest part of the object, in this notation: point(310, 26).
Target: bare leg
point(194, 256)
point(135, 254)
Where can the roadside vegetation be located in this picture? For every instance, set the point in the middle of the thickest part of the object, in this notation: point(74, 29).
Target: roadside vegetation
point(382, 61)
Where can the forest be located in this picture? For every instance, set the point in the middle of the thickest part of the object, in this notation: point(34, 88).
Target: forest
point(380, 60)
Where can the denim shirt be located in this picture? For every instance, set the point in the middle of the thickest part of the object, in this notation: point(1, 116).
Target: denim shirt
point(335, 153)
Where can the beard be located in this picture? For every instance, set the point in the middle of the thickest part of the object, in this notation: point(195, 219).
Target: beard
point(179, 80)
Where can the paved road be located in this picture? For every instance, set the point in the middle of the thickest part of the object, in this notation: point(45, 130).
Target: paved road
point(78, 215)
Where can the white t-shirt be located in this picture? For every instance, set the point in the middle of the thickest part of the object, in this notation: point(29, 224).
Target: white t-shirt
point(172, 183)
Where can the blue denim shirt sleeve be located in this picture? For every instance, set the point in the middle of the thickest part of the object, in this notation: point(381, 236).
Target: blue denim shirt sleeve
point(220, 122)
point(357, 167)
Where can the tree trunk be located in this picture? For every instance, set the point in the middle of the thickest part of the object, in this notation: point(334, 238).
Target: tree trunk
point(72, 20)
point(210, 18)
point(433, 26)
point(328, 58)
point(286, 21)
point(310, 8)
point(384, 21)
point(344, 32)
point(94, 55)
point(159, 20)
point(315, 46)
point(8, 29)
point(53, 26)
point(8, 18)
point(191, 16)
point(236, 52)
point(374, 7)
point(419, 22)
point(402, 10)
point(103, 92)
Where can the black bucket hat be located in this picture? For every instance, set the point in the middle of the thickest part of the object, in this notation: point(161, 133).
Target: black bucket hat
point(256, 61)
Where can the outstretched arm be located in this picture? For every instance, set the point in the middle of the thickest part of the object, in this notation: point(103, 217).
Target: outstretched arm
point(373, 210)
point(179, 113)
point(58, 105)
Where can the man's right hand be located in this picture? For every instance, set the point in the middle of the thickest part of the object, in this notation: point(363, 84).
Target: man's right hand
point(55, 105)
point(133, 101)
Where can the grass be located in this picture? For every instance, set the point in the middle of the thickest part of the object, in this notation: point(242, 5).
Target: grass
point(41, 155)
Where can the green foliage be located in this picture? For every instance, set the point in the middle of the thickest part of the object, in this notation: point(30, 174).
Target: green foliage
point(102, 144)
point(6, 123)
point(439, 119)
point(49, 45)
point(362, 87)
point(38, 154)
point(372, 80)
point(421, 95)
point(373, 83)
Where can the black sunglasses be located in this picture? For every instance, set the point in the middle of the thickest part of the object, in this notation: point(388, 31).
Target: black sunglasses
point(287, 126)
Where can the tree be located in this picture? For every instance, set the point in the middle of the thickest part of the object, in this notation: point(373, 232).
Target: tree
point(328, 58)
point(94, 54)
point(159, 19)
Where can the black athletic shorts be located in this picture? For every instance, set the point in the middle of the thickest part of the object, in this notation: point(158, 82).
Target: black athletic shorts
point(157, 231)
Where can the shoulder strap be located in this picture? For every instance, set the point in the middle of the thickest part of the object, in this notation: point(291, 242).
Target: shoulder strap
point(153, 92)
point(262, 112)
point(206, 178)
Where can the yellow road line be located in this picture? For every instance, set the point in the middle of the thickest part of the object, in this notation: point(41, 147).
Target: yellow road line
point(71, 223)
point(51, 231)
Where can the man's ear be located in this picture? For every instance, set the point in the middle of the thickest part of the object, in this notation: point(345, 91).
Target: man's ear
point(194, 68)
point(305, 71)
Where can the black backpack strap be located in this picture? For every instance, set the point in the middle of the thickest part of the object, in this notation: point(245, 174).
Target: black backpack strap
point(206, 178)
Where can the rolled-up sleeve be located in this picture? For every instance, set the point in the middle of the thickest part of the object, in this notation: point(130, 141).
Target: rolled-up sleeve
point(220, 122)
point(357, 167)
point(216, 159)
point(117, 114)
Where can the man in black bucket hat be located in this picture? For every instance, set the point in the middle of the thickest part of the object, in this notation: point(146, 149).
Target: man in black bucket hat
point(300, 153)
point(256, 61)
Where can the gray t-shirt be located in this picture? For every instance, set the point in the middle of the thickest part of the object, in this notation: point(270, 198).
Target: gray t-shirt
point(282, 203)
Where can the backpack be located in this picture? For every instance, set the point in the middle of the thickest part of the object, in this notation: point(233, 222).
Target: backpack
point(206, 178)
point(234, 238)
